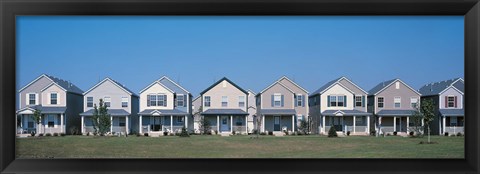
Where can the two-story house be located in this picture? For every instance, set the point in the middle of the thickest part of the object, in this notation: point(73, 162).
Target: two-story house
point(196, 112)
point(393, 102)
point(448, 99)
point(341, 104)
point(58, 101)
point(252, 111)
point(122, 105)
point(165, 107)
point(282, 106)
point(224, 105)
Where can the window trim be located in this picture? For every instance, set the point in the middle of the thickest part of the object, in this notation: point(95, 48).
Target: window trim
point(448, 101)
point(109, 101)
point(177, 100)
point(299, 100)
point(241, 101)
point(394, 102)
point(124, 102)
point(338, 101)
point(383, 102)
point(415, 102)
point(56, 98)
point(205, 101)
point(87, 101)
point(279, 101)
point(361, 101)
point(29, 99)
point(225, 101)
point(333, 101)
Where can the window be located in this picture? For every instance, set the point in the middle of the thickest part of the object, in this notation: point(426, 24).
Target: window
point(333, 101)
point(397, 85)
point(238, 121)
point(121, 122)
point(414, 102)
point(207, 101)
point(224, 101)
point(179, 119)
point(32, 98)
point(340, 101)
point(53, 98)
point(89, 102)
point(180, 100)
point(277, 100)
point(51, 120)
point(359, 120)
point(397, 101)
point(241, 101)
point(451, 101)
point(107, 101)
point(160, 100)
point(124, 102)
point(453, 121)
point(380, 102)
point(358, 101)
point(156, 100)
point(299, 100)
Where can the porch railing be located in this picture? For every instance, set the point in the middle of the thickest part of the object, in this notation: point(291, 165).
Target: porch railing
point(239, 129)
point(454, 129)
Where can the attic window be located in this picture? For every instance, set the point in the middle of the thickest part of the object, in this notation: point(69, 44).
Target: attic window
point(397, 85)
point(224, 84)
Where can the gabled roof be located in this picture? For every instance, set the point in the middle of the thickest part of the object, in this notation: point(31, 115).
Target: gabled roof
point(285, 77)
point(332, 83)
point(172, 85)
point(384, 85)
point(159, 83)
point(249, 90)
point(66, 85)
point(219, 81)
point(196, 98)
point(53, 83)
point(437, 88)
point(280, 83)
point(115, 83)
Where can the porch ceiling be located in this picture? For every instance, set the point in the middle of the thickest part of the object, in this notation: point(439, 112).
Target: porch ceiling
point(224, 112)
point(393, 113)
point(278, 111)
point(452, 112)
point(112, 112)
point(162, 112)
point(45, 110)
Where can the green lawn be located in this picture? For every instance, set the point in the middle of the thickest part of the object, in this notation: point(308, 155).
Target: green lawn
point(312, 146)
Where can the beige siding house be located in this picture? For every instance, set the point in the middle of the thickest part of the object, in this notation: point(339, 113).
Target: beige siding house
point(281, 106)
point(224, 105)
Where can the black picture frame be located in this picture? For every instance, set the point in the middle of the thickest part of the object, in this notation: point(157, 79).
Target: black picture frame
point(10, 8)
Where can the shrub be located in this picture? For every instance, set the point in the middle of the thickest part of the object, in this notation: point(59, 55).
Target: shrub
point(55, 134)
point(411, 133)
point(332, 132)
point(165, 133)
point(171, 134)
point(459, 134)
point(348, 133)
point(254, 131)
point(62, 134)
point(88, 133)
point(216, 132)
point(234, 133)
point(74, 130)
point(263, 133)
point(209, 133)
point(270, 133)
point(40, 135)
point(184, 132)
point(145, 134)
point(395, 133)
point(388, 134)
point(300, 133)
point(32, 134)
point(373, 132)
point(48, 134)
point(446, 134)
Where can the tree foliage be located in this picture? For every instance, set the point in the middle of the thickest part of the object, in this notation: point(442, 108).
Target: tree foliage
point(428, 111)
point(303, 128)
point(332, 132)
point(101, 119)
point(416, 119)
point(204, 126)
point(37, 116)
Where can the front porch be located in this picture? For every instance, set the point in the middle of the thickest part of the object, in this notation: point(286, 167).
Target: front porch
point(452, 125)
point(391, 124)
point(356, 125)
point(278, 123)
point(228, 123)
point(119, 125)
point(159, 124)
point(49, 122)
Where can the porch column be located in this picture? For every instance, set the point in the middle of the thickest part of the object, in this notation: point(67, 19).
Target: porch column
point(444, 121)
point(400, 119)
point(126, 125)
point(82, 128)
point(111, 126)
point(408, 124)
point(61, 124)
point(171, 123)
point(263, 123)
point(422, 126)
point(231, 123)
point(394, 124)
point(186, 121)
point(379, 125)
point(140, 128)
point(246, 124)
point(323, 123)
point(218, 123)
point(293, 123)
point(354, 124)
point(368, 124)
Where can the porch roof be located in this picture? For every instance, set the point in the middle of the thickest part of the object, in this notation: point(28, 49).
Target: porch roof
point(162, 112)
point(112, 112)
point(45, 109)
point(278, 111)
point(224, 112)
point(452, 112)
point(393, 113)
point(345, 113)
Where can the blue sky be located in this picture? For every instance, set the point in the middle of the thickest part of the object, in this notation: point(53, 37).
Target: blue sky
point(251, 51)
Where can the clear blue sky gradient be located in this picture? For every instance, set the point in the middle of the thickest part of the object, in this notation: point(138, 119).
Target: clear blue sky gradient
point(251, 51)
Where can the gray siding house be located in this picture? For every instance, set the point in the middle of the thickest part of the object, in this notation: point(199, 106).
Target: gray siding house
point(59, 101)
point(225, 106)
point(282, 106)
point(196, 112)
point(122, 105)
point(341, 104)
point(165, 107)
point(448, 98)
point(252, 111)
point(393, 102)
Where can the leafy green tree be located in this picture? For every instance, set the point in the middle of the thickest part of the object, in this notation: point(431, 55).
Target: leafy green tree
point(101, 119)
point(184, 132)
point(303, 127)
point(428, 112)
point(37, 116)
point(204, 125)
point(332, 132)
point(416, 119)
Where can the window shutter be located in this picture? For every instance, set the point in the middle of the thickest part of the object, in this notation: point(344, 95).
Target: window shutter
point(165, 100)
point(345, 101)
point(36, 99)
point(148, 100)
point(295, 100)
point(27, 100)
point(363, 101)
point(282, 100)
point(446, 101)
point(185, 100)
point(272, 101)
point(58, 98)
point(303, 101)
point(328, 101)
point(455, 101)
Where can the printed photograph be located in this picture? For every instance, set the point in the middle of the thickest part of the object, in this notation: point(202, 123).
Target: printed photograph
point(240, 87)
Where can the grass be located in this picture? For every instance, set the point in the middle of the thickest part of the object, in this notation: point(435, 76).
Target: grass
point(197, 146)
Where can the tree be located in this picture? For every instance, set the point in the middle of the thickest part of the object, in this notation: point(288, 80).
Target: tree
point(332, 132)
point(101, 119)
point(37, 116)
point(417, 117)
point(184, 132)
point(428, 112)
point(303, 127)
point(204, 125)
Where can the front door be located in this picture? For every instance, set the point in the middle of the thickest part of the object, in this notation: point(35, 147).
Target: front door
point(276, 123)
point(224, 124)
point(157, 124)
point(337, 123)
point(398, 124)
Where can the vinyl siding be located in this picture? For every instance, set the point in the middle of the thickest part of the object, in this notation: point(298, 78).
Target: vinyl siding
point(156, 88)
point(107, 88)
point(33, 88)
point(451, 92)
point(336, 90)
point(357, 92)
point(61, 96)
point(390, 92)
point(277, 88)
point(218, 91)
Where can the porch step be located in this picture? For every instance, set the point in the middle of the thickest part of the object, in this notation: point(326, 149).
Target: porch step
point(23, 135)
point(155, 134)
point(225, 134)
point(278, 134)
point(340, 134)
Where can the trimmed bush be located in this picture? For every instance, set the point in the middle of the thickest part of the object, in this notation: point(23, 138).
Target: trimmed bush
point(332, 132)
point(348, 133)
point(373, 132)
point(48, 134)
point(388, 134)
point(263, 133)
point(234, 133)
point(62, 134)
point(184, 132)
point(145, 134)
point(40, 135)
point(216, 132)
point(55, 134)
point(411, 133)
point(88, 133)
point(459, 134)
point(395, 133)
point(270, 133)
point(446, 134)
point(32, 134)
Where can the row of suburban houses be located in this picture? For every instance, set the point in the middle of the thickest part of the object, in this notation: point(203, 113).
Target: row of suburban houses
point(166, 106)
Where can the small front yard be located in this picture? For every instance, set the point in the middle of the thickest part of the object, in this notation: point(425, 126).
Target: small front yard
point(196, 146)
